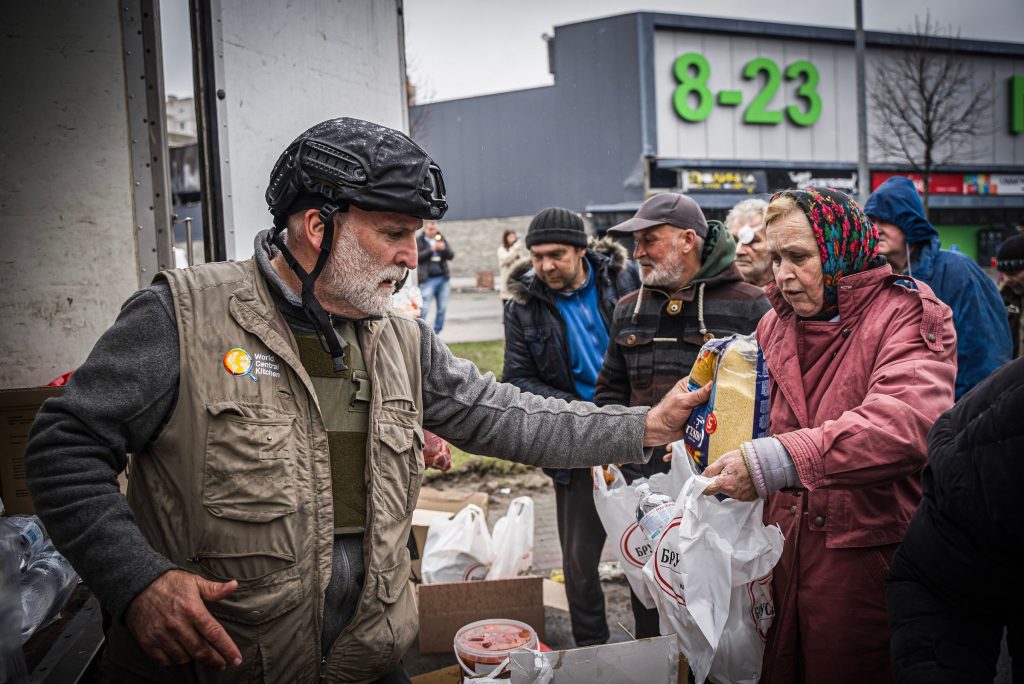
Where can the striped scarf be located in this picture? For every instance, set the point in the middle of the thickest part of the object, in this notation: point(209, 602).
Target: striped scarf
point(847, 240)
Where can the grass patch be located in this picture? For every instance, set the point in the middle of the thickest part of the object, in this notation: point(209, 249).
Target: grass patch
point(488, 356)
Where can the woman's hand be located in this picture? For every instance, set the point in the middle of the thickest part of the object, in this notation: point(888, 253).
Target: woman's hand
point(730, 477)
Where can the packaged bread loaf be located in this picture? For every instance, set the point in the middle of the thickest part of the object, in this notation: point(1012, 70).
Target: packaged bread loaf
point(737, 410)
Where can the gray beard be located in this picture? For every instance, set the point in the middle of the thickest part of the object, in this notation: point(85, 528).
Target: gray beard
point(352, 276)
point(666, 274)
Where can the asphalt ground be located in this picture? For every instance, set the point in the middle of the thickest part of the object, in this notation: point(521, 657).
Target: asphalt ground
point(473, 316)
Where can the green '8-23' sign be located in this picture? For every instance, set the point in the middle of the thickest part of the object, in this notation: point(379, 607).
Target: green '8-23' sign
point(693, 98)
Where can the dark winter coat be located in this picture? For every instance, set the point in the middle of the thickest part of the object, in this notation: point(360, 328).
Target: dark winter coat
point(536, 348)
point(427, 267)
point(983, 335)
point(960, 551)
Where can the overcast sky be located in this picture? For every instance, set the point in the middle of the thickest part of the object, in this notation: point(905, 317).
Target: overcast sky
point(458, 48)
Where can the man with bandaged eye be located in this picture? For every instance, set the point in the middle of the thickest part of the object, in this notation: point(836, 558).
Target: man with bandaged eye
point(746, 223)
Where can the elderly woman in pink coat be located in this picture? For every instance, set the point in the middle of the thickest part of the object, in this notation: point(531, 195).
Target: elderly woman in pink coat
point(861, 362)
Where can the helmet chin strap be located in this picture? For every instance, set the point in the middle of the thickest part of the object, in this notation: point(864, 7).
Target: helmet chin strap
point(401, 283)
point(330, 340)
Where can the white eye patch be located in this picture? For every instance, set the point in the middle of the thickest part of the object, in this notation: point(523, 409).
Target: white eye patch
point(745, 235)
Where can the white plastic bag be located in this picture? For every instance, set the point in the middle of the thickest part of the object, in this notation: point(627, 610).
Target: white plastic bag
point(616, 506)
point(457, 549)
point(512, 541)
point(711, 578)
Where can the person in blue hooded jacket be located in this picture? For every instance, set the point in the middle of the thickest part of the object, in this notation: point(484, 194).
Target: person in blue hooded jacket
point(911, 244)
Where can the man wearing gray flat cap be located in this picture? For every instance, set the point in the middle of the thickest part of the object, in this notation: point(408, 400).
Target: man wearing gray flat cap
point(692, 291)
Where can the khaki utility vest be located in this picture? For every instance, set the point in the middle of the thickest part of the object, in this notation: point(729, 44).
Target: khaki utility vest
point(238, 486)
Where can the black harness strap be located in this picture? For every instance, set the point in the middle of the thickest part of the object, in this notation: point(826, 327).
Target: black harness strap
point(330, 340)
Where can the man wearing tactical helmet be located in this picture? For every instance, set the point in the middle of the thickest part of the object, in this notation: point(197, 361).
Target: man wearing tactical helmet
point(275, 408)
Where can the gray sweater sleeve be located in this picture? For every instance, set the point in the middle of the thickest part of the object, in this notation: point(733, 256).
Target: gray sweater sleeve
point(114, 404)
point(486, 417)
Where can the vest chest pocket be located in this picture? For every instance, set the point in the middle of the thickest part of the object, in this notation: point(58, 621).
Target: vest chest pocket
point(400, 461)
point(249, 471)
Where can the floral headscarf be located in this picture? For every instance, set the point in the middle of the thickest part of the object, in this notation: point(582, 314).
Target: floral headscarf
point(847, 240)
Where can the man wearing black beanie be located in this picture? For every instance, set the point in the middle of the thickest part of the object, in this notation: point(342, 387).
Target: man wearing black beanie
point(556, 333)
point(1010, 262)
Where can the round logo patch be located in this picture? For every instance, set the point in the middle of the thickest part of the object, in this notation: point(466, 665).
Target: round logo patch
point(238, 362)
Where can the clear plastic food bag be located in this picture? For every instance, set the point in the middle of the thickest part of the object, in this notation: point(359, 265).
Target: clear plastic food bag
point(738, 408)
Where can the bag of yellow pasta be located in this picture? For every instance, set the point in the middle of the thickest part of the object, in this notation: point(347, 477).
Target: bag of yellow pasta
point(738, 408)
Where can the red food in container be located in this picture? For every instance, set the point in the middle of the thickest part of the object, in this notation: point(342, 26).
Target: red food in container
point(483, 645)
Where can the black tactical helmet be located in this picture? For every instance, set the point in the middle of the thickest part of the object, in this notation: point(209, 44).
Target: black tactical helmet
point(343, 162)
point(350, 161)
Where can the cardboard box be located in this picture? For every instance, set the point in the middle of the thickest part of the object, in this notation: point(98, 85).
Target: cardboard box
point(18, 409)
point(652, 661)
point(446, 608)
point(554, 595)
point(434, 503)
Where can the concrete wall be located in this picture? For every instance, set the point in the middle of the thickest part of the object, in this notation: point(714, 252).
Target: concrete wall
point(476, 241)
point(66, 214)
point(290, 65)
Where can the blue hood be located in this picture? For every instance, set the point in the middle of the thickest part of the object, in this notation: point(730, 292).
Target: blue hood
point(896, 201)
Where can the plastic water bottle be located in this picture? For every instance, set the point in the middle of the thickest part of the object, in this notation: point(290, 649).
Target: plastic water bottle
point(45, 588)
point(33, 540)
point(12, 663)
point(654, 511)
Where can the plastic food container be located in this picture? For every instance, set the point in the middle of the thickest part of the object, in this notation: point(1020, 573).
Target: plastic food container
point(483, 645)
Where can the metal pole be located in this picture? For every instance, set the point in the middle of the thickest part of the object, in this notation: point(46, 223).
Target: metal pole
point(863, 179)
point(188, 240)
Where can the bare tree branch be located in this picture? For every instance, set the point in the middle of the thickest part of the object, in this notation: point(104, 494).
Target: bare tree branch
point(928, 107)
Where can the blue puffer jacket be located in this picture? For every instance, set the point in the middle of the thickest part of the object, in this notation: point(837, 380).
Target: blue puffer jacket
point(983, 335)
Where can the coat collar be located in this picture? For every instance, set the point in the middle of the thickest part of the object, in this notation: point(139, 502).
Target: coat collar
point(605, 262)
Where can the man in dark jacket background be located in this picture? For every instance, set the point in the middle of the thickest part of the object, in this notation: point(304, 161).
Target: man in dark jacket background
point(692, 291)
point(434, 253)
point(911, 244)
point(556, 333)
point(1010, 262)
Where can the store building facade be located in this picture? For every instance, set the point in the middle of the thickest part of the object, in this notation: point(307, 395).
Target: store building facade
point(721, 109)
